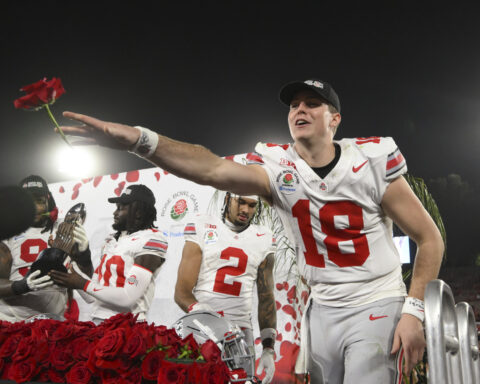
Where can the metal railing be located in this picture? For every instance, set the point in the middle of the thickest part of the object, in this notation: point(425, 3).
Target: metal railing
point(452, 338)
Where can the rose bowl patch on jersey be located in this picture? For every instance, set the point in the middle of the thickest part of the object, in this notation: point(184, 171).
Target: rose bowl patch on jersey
point(287, 181)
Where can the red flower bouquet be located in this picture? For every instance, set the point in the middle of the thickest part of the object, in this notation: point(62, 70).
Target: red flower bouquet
point(120, 350)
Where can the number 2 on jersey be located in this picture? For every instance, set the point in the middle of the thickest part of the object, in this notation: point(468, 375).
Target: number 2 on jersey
point(220, 285)
point(301, 211)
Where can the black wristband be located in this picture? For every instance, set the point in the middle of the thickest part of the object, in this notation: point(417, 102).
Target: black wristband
point(20, 287)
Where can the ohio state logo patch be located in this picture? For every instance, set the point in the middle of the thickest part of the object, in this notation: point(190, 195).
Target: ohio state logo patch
point(287, 181)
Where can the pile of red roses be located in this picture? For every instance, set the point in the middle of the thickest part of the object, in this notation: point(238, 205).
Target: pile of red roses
point(120, 351)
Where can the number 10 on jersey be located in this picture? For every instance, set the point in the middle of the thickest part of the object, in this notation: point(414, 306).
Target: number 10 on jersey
point(301, 211)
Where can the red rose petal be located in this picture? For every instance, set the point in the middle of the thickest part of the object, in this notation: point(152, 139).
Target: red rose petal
point(114, 176)
point(132, 176)
point(157, 176)
point(288, 309)
point(97, 181)
point(119, 189)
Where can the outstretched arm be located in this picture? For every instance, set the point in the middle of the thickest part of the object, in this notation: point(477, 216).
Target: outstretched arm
point(189, 161)
point(404, 208)
point(188, 275)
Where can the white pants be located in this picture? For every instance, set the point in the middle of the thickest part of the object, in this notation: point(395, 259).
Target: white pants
point(351, 345)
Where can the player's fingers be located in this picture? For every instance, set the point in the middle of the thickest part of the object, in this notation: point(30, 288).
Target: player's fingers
point(42, 279)
point(396, 344)
point(35, 274)
point(88, 120)
point(44, 285)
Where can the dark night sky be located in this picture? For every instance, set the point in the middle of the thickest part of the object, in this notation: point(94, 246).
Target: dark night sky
point(209, 73)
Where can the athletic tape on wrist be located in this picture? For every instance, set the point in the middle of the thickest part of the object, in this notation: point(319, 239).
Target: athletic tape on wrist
point(146, 144)
point(414, 307)
point(268, 333)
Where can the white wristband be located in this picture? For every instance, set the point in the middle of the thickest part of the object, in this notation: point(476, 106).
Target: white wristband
point(268, 333)
point(146, 144)
point(414, 307)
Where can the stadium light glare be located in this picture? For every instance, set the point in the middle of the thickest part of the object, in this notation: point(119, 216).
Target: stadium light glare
point(75, 162)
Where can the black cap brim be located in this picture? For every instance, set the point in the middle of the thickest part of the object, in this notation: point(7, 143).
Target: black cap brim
point(319, 87)
point(289, 90)
point(122, 199)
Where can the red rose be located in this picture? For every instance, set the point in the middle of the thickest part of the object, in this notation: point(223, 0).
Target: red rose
point(56, 376)
point(111, 343)
point(79, 374)
point(136, 345)
point(110, 377)
point(40, 93)
point(218, 373)
point(9, 347)
point(151, 364)
point(6, 369)
point(24, 349)
point(172, 373)
point(22, 371)
point(164, 336)
point(195, 373)
point(211, 352)
point(45, 327)
point(61, 356)
point(180, 206)
point(53, 215)
point(120, 320)
point(133, 376)
point(81, 349)
point(63, 332)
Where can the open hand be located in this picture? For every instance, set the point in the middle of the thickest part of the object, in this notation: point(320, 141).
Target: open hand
point(97, 132)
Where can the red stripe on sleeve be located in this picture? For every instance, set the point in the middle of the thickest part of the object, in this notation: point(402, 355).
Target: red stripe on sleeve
point(395, 161)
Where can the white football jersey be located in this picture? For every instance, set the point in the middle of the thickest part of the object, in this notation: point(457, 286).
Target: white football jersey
point(229, 268)
point(117, 259)
point(24, 249)
point(343, 239)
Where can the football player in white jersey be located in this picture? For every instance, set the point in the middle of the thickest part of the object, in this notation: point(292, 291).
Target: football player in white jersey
point(337, 200)
point(222, 260)
point(124, 281)
point(24, 295)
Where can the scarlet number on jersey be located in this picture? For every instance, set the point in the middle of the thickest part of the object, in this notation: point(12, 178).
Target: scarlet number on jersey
point(118, 262)
point(327, 214)
point(220, 285)
point(29, 251)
